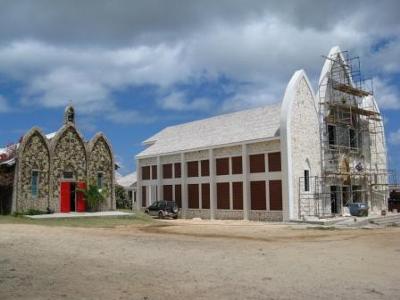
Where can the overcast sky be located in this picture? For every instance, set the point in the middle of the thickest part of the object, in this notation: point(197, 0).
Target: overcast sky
point(133, 67)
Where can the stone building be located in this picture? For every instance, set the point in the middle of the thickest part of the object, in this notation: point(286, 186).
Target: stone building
point(45, 172)
point(279, 162)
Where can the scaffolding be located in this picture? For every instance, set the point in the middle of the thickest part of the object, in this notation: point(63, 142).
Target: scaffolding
point(353, 151)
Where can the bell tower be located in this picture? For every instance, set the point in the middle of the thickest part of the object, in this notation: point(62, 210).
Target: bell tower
point(69, 115)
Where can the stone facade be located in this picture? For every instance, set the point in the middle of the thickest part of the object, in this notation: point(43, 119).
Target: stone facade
point(100, 161)
point(68, 155)
point(53, 156)
point(34, 155)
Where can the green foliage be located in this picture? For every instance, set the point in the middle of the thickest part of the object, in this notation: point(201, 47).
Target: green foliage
point(29, 212)
point(121, 198)
point(94, 196)
point(33, 212)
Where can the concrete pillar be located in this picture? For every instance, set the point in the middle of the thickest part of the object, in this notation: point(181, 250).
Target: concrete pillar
point(183, 185)
point(213, 189)
point(159, 180)
point(246, 183)
point(230, 194)
point(138, 185)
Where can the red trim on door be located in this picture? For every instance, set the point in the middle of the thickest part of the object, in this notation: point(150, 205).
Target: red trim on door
point(80, 199)
point(65, 197)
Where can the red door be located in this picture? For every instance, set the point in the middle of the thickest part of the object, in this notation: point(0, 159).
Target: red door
point(65, 197)
point(80, 200)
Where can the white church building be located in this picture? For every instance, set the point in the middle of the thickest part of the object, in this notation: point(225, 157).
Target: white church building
point(311, 154)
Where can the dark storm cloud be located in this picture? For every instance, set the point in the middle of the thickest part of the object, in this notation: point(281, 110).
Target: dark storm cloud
point(112, 23)
point(90, 49)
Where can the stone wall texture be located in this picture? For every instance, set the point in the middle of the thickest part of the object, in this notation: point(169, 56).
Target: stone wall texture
point(34, 155)
point(100, 161)
point(65, 152)
point(69, 154)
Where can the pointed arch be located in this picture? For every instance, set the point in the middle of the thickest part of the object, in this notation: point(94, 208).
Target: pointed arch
point(68, 150)
point(299, 126)
point(33, 160)
point(101, 164)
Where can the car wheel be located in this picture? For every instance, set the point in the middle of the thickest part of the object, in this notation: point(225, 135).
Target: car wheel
point(160, 215)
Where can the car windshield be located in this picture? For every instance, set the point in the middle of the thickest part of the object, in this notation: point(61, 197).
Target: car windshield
point(170, 204)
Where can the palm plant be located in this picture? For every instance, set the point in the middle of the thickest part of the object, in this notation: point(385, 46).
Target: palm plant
point(94, 196)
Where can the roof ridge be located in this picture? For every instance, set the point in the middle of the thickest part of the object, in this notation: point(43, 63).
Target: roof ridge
point(224, 115)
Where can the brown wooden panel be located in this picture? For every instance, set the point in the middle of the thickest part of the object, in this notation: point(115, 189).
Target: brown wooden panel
point(223, 195)
point(167, 192)
point(193, 196)
point(222, 165)
point(153, 172)
point(274, 162)
point(167, 171)
point(177, 167)
point(205, 168)
point(193, 168)
point(146, 173)
point(237, 196)
point(258, 195)
point(257, 163)
point(237, 165)
point(205, 195)
point(144, 196)
point(178, 195)
point(275, 195)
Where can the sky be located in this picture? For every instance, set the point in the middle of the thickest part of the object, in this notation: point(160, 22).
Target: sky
point(131, 68)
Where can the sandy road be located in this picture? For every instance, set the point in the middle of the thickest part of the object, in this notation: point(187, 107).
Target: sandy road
point(198, 261)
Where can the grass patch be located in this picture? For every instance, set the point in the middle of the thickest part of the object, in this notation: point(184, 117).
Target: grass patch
point(87, 222)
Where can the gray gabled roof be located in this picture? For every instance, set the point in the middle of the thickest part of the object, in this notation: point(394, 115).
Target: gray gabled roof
point(248, 125)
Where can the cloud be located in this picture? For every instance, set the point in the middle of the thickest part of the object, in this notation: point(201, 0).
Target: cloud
point(394, 137)
point(4, 107)
point(126, 117)
point(126, 22)
point(250, 97)
point(387, 95)
point(178, 101)
point(75, 52)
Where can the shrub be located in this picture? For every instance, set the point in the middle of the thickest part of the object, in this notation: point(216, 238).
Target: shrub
point(121, 199)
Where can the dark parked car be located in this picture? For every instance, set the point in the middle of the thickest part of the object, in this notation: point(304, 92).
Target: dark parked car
point(358, 209)
point(163, 209)
point(394, 200)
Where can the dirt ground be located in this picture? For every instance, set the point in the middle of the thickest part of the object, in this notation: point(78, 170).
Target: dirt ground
point(190, 260)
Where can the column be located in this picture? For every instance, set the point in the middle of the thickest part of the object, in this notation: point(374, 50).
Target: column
point(159, 180)
point(138, 185)
point(183, 185)
point(213, 190)
point(246, 183)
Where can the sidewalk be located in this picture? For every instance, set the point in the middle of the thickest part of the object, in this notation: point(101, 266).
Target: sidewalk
point(81, 214)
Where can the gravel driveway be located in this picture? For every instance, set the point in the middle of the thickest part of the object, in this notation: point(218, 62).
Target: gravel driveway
point(198, 261)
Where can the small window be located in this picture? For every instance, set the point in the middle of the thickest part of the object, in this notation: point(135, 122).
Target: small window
point(205, 168)
point(146, 173)
point(154, 172)
point(100, 180)
point(332, 135)
point(192, 168)
point(257, 163)
point(353, 138)
point(222, 165)
point(35, 183)
point(68, 175)
point(306, 180)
